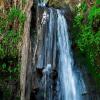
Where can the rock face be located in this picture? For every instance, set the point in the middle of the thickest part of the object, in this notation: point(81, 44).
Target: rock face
point(58, 3)
point(26, 71)
point(63, 3)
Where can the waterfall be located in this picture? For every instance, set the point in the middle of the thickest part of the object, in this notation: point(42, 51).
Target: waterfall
point(61, 79)
point(66, 75)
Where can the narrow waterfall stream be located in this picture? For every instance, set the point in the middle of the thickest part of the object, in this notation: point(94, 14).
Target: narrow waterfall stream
point(68, 90)
point(61, 79)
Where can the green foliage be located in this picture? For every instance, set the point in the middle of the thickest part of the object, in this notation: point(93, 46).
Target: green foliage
point(84, 6)
point(86, 31)
point(8, 47)
point(94, 11)
point(10, 68)
point(11, 29)
point(97, 2)
point(16, 13)
point(15, 20)
point(87, 39)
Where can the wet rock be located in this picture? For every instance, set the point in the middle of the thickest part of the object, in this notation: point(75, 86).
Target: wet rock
point(37, 94)
point(39, 72)
point(35, 82)
point(54, 74)
point(32, 97)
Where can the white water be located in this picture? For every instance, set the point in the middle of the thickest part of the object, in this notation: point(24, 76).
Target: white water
point(66, 75)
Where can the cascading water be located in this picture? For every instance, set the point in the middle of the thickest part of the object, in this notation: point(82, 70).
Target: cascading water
point(67, 85)
point(55, 54)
